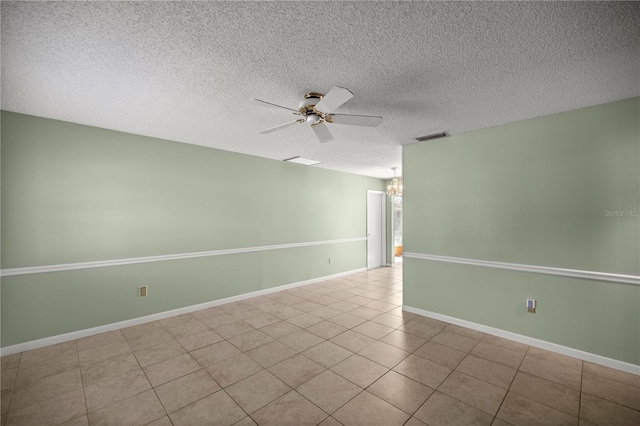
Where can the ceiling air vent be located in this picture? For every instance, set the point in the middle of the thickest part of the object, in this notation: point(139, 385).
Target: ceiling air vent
point(432, 136)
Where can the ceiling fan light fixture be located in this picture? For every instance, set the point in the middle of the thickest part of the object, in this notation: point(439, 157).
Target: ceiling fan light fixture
point(313, 119)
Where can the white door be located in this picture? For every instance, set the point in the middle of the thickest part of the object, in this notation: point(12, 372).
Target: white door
point(376, 253)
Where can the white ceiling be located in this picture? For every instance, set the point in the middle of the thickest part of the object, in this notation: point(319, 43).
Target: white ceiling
point(185, 71)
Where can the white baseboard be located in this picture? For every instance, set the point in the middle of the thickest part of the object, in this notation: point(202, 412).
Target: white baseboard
point(35, 344)
point(564, 350)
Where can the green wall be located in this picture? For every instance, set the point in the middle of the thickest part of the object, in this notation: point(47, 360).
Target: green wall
point(73, 193)
point(541, 192)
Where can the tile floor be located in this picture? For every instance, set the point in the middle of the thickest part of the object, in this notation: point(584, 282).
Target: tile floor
point(332, 353)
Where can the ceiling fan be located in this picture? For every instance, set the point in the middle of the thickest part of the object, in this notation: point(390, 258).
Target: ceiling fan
point(316, 109)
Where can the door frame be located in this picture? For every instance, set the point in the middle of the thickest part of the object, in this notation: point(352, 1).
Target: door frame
point(383, 230)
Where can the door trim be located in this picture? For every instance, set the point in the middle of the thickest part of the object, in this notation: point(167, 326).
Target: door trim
point(384, 226)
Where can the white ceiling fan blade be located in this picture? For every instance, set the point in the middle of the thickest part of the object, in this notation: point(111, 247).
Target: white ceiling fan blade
point(322, 132)
point(356, 120)
point(281, 126)
point(332, 100)
point(269, 104)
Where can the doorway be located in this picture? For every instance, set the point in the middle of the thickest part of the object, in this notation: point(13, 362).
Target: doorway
point(376, 227)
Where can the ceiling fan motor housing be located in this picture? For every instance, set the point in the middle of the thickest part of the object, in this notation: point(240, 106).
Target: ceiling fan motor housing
point(308, 105)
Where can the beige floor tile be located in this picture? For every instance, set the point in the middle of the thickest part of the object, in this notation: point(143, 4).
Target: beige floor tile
point(342, 305)
point(140, 330)
point(250, 340)
point(479, 394)
point(46, 388)
point(5, 399)
point(233, 329)
point(329, 391)
point(373, 330)
point(519, 410)
point(424, 371)
point(286, 312)
point(48, 352)
point(279, 329)
point(104, 352)
point(256, 391)
point(327, 354)
point(408, 316)
point(57, 410)
point(147, 340)
point(261, 320)
point(368, 410)
point(217, 319)
point(381, 306)
point(488, 371)
point(414, 422)
point(467, 332)
point(116, 389)
point(330, 421)
point(611, 374)
point(620, 393)
point(432, 322)
point(441, 354)
point(384, 354)
point(301, 340)
point(359, 370)
point(604, 413)
point(404, 341)
point(326, 329)
point(347, 320)
point(401, 391)
point(247, 421)
point(304, 320)
point(390, 320)
point(171, 369)
point(154, 354)
point(290, 409)
point(456, 341)
point(500, 422)
point(498, 354)
point(325, 312)
point(10, 361)
point(185, 390)
point(307, 306)
point(109, 368)
point(140, 409)
point(199, 340)
point(325, 300)
point(505, 343)
point(552, 371)
point(296, 370)
point(84, 421)
point(419, 329)
point(215, 353)
point(234, 369)
point(163, 421)
point(548, 393)
point(364, 312)
point(271, 353)
point(192, 326)
point(441, 409)
point(33, 372)
point(557, 358)
point(217, 409)
point(352, 340)
point(97, 340)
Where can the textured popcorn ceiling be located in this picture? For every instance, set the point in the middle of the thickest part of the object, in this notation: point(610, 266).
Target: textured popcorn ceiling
point(185, 71)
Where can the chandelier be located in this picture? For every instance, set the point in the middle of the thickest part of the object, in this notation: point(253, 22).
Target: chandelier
point(395, 187)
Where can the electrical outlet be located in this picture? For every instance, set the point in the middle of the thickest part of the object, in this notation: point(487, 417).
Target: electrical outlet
point(531, 306)
point(142, 291)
